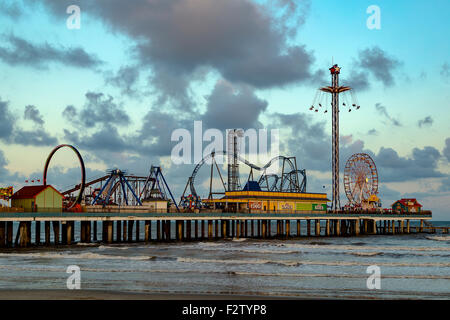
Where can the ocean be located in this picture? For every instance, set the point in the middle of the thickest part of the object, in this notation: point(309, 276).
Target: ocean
point(414, 266)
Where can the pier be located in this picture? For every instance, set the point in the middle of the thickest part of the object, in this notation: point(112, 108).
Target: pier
point(33, 229)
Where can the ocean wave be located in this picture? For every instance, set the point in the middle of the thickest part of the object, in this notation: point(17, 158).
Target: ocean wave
point(438, 238)
point(208, 244)
point(119, 247)
point(306, 262)
point(344, 275)
point(231, 261)
point(85, 255)
point(84, 244)
point(365, 254)
point(236, 273)
point(254, 250)
point(239, 239)
point(353, 247)
point(303, 251)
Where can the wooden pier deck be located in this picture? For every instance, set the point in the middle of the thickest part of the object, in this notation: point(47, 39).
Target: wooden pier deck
point(59, 227)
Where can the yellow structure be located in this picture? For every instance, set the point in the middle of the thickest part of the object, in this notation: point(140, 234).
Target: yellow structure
point(38, 199)
point(264, 201)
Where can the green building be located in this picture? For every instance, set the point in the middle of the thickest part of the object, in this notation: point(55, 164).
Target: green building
point(38, 199)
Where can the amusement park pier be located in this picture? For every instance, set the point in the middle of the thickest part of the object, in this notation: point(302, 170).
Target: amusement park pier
point(122, 207)
point(26, 229)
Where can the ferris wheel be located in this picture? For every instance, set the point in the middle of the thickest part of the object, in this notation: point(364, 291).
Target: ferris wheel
point(360, 178)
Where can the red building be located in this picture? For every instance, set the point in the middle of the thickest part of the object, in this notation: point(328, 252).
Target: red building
point(406, 205)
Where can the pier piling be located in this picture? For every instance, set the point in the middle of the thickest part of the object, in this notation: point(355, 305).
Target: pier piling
point(130, 230)
point(236, 225)
point(147, 227)
point(138, 230)
point(2, 234)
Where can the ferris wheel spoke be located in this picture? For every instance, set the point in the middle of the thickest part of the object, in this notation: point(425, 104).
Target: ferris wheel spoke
point(360, 177)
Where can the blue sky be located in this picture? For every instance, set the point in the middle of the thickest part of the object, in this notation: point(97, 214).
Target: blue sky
point(161, 83)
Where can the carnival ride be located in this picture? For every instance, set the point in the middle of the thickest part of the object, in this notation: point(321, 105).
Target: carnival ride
point(336, 91)
point(6, 193)
point(123, 189)
point(291, 179)
point(94, 186)
point(116, 180)
point(156, 187)
point(360, 180)
point(115, 188)
point(69, 203)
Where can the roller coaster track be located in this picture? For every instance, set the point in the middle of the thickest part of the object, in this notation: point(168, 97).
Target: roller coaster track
point(249, 164)
point(104, 178)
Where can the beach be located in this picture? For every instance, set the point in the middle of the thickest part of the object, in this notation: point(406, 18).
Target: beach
point(412, 266)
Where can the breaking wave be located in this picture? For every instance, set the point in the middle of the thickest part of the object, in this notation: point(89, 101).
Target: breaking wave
point(86, 255)
point(323, 263)
point(438, 238)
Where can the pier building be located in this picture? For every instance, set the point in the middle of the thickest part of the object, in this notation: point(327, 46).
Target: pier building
point(42, 198)
point(268, 201)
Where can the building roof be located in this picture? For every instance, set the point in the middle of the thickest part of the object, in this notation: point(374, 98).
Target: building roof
point(28, 192)
point(274, 195)
point(406, 202)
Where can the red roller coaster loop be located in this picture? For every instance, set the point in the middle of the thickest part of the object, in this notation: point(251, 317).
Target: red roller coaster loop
point(83, 170)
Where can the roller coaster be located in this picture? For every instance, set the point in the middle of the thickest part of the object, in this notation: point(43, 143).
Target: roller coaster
point(291, 178)
point(120, 188)
point(115, 188)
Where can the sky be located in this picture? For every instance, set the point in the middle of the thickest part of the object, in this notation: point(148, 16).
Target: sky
point(135, 71)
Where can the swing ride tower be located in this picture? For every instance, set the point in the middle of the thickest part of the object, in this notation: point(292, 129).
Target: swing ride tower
point(335, 90)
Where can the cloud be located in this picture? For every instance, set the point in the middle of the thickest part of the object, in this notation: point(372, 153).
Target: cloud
point(373, 62)
point(154, 136)
point(18, 51)
point(306, 139)
point(446, 151)
point(32, 113)
point(383, 111)
point(69, 112)
point(125, 79)
point(98, 110)
point(11, 10)
point(3, 171)
point(6, 177)
point(106, 138)
point(311, 144)
point(379, 64)
point(10, 133)
point(427, 121)
point(421, 164)
point(445, 70)
point(445, 185)
point(244, 41)
point(372, 132)
point(7, 120)
point(227, 101)
point(38, 137)
point(358, 80)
